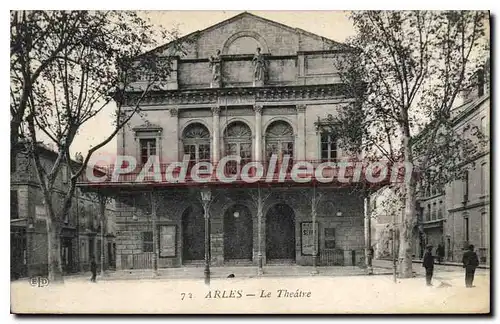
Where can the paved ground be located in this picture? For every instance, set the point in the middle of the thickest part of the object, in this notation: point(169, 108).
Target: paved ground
point(241, 272)
point(440, 271)
point(309, 294)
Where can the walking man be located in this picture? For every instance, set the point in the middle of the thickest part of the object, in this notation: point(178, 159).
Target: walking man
point(428, 264)
point(470, 263)
point(93, 269)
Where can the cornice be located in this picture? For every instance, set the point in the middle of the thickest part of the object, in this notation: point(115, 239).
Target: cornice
point(267, 94)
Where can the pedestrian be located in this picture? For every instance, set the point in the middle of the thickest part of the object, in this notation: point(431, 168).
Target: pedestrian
point(470, 263)
point(371, 255)
point(428, 264)
point(93, 269)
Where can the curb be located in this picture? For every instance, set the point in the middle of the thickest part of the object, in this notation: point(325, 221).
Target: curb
point(448, 264)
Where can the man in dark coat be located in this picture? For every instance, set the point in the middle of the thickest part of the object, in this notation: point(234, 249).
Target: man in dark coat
point(93, 269)
point(428, 264)
point(470, 262)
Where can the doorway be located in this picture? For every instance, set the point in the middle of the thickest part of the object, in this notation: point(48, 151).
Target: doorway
point(193, 234)
point(238, 233)
point(280, 233)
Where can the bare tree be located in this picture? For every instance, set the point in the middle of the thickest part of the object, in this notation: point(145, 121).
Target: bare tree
point(412, 65)
point(97, 71)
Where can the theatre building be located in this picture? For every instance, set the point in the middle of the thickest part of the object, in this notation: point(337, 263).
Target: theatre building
point(254, 88)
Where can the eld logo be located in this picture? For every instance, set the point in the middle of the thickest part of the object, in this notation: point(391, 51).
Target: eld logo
point(39, 281)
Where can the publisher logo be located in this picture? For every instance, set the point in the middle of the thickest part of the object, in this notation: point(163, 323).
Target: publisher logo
point(39, 281)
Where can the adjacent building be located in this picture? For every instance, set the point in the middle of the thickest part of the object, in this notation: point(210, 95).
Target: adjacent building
point(81, 233)
point(458, 213)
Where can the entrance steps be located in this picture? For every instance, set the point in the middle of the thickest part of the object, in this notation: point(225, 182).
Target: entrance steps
point(280, 262)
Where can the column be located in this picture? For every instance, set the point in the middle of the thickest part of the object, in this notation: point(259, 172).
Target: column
point(171, 136)
point(155, 233)
point(368, 244)
point(258, 132)
point(215, 134)
point(102, 215)
point(259, 219)
point(301, 132)
point(314, 204)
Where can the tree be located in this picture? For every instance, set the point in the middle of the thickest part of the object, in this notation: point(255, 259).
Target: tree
point(76, 84)
point(413, 65)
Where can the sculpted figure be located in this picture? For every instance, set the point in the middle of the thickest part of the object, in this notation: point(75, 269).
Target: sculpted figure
point(259, 64)
point(215, 65)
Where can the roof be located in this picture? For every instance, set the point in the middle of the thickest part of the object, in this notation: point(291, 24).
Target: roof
point(464, 110)
point(239, 16)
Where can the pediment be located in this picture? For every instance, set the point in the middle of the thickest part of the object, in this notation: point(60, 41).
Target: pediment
point(243, 33)
point(147, 127)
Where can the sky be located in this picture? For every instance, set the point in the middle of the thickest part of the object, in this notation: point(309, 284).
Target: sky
point(330, 24)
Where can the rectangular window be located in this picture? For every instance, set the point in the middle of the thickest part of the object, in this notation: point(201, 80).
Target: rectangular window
point(480, 83)
point(147, 241)
point(434, 211)
point(440, 211)
point(328, 147)
point(483, 179)
point(484, 229)
point(428, 214)
point(91, 248)
point(329, 238)
point(99, 248)
point(466, 186)
point(14, 205)
point(148, 148)
point(484, 126)
point(466, 228)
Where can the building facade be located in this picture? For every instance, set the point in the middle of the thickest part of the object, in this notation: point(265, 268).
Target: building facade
point(468, 199)
point(81, 233)
point(457, 214)
point(253, 88)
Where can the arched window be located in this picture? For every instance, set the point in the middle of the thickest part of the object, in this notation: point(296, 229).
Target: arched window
point(196, 141)
point(238, 141)
point(279, 140)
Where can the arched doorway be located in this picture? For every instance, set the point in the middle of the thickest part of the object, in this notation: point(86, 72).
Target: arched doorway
point(238, 233)
point(280, 233)
point(193, 234)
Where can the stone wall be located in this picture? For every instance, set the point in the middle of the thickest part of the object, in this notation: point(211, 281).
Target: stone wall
point(340, 210)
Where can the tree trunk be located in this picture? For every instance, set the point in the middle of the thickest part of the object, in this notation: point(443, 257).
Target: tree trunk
point(54, 251)
point(408, 217)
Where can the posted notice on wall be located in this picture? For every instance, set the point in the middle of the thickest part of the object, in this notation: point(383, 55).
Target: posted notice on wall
point(167, 240)
point(308, 240)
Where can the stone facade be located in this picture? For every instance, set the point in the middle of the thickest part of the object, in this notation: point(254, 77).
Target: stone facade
point(468, 200)
point(208, 121)
point(339, 210)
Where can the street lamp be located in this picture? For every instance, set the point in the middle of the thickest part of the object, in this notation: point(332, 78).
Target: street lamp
point(206, 196)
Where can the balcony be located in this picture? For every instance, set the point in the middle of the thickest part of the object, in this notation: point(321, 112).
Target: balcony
point(248, 173)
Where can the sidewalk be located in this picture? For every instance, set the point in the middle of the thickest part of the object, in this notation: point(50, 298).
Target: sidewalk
point(238, 271)
point(337, 294)
point(445, 263)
